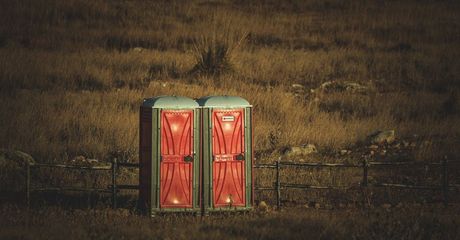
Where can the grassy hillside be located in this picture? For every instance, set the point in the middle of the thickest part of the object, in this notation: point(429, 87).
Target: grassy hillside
point(73, 73)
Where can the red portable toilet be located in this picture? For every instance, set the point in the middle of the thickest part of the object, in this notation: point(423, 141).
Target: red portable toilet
point(227, 153)
point(169, 155)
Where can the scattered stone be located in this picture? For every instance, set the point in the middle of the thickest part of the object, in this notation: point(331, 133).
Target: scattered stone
point(263, 206)
point(78, 159)
point(399, 205)
point(317, 206)
point(386, 206)
point(306, 206)
point(301, 150)
point(341, 205)
point(380, 137)
point(138, 49)
point(413, 144)
point(405, 143)
point(344, 152)
point(122, 212)
point(298, 89)
point(92, 161)
point(373, 146)
point(336, 86)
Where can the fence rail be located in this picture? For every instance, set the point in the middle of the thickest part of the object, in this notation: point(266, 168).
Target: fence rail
point(445, 187)
point(277, 186)
point(113, 188)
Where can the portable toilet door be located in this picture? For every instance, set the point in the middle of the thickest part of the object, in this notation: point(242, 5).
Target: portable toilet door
point(169, 155)
point(227, 153)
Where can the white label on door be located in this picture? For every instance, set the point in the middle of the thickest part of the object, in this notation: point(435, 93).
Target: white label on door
point(228, 118)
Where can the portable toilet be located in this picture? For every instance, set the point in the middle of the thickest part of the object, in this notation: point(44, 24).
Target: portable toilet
point(227, 153)
point(169, 155)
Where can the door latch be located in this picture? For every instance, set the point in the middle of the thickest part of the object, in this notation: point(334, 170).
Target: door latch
point(188, 158)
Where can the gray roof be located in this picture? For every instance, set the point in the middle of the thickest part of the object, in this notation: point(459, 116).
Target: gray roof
point(223, 101)
point(170, 102)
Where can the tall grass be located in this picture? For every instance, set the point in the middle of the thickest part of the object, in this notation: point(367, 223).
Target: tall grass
point(403, 223)
point(73, 73)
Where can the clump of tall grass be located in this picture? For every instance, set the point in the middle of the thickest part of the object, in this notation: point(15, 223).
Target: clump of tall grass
point(215, 55)
point(214, 52)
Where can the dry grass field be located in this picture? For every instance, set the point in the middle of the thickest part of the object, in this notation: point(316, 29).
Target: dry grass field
point(381, 224)
point(73, 74)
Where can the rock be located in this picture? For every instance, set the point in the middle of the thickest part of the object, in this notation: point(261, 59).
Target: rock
point(124, 212)
point(301, 150)
point(297, 89)
point(380, 137)
point(13, 169)
point(386, 206)
point(78, 159)
point(138, 49)
point(92, 161)
point(336, 86)
point(413, 144)
point(373, 146)
point(344, 152)
point(263, 206)
point(317, 206)
point(405, 143)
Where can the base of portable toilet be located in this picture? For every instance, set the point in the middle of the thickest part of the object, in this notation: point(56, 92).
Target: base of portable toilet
point(227, 154)
point(169, 155)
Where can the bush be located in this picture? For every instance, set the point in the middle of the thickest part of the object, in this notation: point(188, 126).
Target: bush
point(214, 54)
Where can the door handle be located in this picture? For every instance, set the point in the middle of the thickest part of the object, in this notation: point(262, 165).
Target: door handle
point(240, 157)
point(188, 158)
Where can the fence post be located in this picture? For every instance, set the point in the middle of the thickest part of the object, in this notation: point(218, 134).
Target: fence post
point(28, 184)
point(278, 184)
point(445, 181)
point(365, 180)
point(114, 183)
point(365, 171)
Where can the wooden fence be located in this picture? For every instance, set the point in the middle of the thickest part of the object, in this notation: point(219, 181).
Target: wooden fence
point(445, 187)
point(114, 187)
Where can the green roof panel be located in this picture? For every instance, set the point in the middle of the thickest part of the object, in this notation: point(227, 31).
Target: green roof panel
point(223, 101)
point(170, 102)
